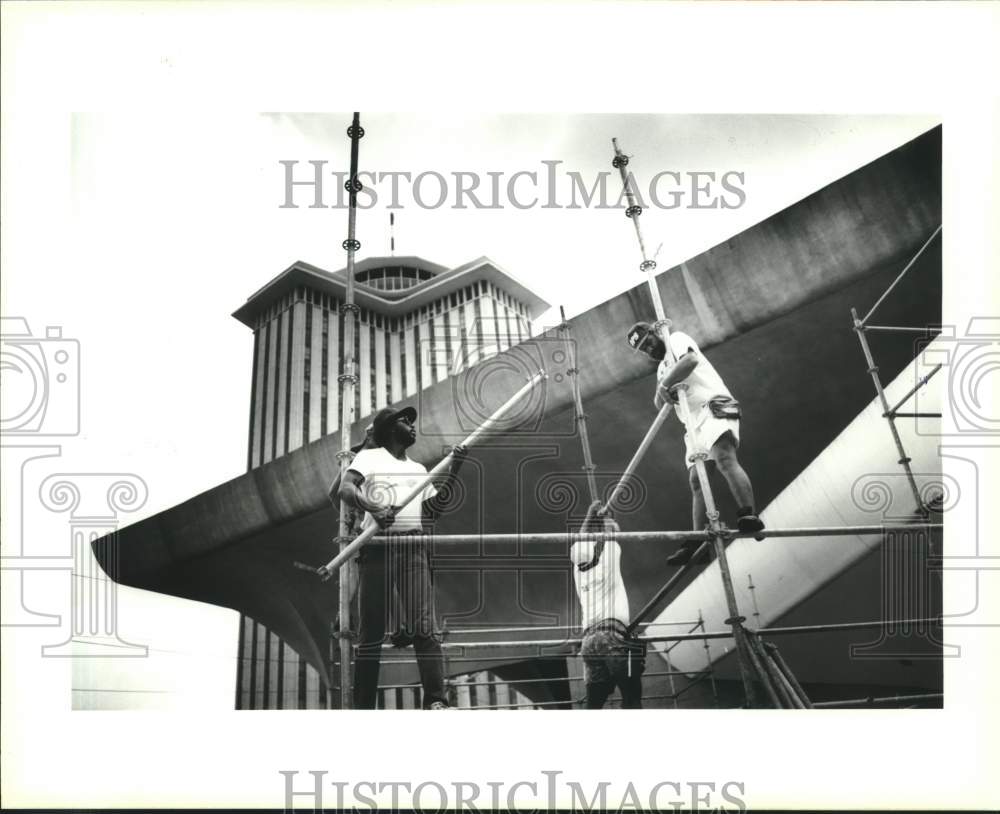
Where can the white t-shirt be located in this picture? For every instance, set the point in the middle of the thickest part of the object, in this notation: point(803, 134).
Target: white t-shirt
point(704, 383)
point(601, 589)
point(387, 482)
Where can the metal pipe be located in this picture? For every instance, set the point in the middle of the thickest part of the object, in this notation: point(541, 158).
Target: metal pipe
point(699, 677)
point(877, 381)
point(650, 606)
point(348, 382)
point(887, 699)
point(708, 660)
point(920, 383)
point(784, 688)
point(777, 699)
point(672, 536)
point(530, 628)
point(901, 274)
point(881, 623)
point(912, 415)
point(905, 329)
point(621, 161)
point(786, 671)
point(567, 641)
point(347, 551)
point(581, 417)
point(640, 453)
point(676, 637)
point(521, 705)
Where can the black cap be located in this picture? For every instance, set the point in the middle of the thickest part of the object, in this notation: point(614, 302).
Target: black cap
point(386, 417)
point(637, 333)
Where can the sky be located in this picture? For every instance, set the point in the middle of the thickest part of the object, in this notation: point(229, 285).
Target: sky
point(168, 223)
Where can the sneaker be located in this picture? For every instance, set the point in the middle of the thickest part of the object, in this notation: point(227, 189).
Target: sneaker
point(749, 523)
point(439, 705)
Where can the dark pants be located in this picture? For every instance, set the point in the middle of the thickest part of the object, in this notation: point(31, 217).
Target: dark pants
point(612, 660)
point(400, 563)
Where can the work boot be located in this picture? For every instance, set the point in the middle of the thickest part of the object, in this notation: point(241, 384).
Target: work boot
point(750, 523)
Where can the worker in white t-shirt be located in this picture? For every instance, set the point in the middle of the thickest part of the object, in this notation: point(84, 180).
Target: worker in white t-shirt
point(713, 414)
point(377, 482)
point(611, 657)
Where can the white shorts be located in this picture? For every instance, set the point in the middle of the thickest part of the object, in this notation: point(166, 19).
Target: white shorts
point(709, 429)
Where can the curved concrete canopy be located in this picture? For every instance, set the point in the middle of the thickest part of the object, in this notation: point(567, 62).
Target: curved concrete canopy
point(778, 297)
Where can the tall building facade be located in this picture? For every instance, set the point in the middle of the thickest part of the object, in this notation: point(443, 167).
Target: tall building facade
point(418, 323)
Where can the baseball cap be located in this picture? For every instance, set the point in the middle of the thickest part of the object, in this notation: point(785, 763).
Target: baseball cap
point(637, 333)
point(385, 418)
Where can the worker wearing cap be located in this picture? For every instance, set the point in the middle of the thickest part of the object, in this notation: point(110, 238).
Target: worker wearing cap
point(712, 412)
point(376, 482)
point(611, 657)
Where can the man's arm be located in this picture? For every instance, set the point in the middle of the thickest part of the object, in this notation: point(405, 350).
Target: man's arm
point(433, 506)
point(678, 373)
point(350, 493)
point(334, 491)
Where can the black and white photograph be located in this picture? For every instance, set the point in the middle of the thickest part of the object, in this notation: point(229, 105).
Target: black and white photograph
point(319, 415)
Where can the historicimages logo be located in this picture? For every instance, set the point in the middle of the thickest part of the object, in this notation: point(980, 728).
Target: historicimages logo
point(552, 790)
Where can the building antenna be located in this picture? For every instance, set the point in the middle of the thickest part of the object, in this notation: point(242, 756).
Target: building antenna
point(392, 234)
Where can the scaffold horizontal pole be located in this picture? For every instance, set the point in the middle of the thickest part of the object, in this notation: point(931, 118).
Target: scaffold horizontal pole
point(832, 628)
point(529, 628)
point(885, 699)
point(686, 637)
point(669, 536)
point(518, 681)
point(903, 329)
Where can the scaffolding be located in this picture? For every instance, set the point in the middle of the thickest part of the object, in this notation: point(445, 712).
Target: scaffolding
point(762, 668)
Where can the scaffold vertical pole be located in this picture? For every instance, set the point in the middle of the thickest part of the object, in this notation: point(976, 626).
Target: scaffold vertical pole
point(904, 460)
point(573, 371)
point(708, 659)
point(348, 380)
point(647, 266)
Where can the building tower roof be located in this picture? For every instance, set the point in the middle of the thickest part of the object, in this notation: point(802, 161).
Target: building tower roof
point(392, 286)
